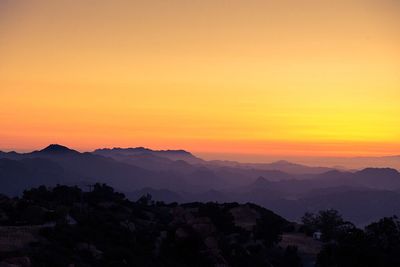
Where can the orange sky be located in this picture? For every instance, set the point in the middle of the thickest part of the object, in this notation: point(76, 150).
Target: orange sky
point(279, 77)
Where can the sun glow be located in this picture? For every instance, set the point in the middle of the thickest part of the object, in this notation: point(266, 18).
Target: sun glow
point(267, 77)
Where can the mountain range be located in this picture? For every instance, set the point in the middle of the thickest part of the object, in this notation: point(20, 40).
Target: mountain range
point(287, 188)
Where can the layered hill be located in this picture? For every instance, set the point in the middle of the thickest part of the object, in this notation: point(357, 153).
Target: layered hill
point(179, 176)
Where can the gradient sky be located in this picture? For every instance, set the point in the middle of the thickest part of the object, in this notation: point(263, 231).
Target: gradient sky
point(281, 77)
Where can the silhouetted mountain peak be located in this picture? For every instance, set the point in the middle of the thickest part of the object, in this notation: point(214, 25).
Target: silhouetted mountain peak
point(169, 154)
point(57, 149)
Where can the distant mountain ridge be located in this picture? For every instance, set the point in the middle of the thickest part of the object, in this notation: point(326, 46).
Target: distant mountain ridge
point(281, 165)
point(177, 175)
point(88, 168)
point(140, 151)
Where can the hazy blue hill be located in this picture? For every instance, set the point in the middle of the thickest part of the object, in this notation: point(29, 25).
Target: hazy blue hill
point(272, 175)
point(90, 168)
point(382, 178)
point(378, 178)
point(9, 155)
point(201, 174)
point(359, 206)
point(15, 175)
point(292, 168)
point(336, 189)
point(177, 175)
point(127, 153)
point(282, 165)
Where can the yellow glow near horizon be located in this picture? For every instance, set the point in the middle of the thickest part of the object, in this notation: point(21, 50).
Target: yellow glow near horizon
point(283, 77)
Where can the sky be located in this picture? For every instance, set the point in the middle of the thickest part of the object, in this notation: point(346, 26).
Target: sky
point(239, 79)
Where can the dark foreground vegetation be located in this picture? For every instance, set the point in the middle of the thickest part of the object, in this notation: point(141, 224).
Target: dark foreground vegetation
point(65, 226)
point(347, 246)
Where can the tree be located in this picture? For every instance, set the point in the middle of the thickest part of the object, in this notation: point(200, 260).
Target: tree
point(328, 222)
point(385, 234)
point(378, 245)
point(309, 221)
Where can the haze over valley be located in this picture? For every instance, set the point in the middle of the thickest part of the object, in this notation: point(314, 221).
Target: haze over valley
point(289, 189)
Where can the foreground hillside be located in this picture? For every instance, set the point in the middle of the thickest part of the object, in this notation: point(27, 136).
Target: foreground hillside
point(64, 226)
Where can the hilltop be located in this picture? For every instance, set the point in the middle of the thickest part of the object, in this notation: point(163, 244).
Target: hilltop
point(64, 226)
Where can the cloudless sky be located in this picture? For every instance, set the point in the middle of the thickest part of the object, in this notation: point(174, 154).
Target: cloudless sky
point(278, 77)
